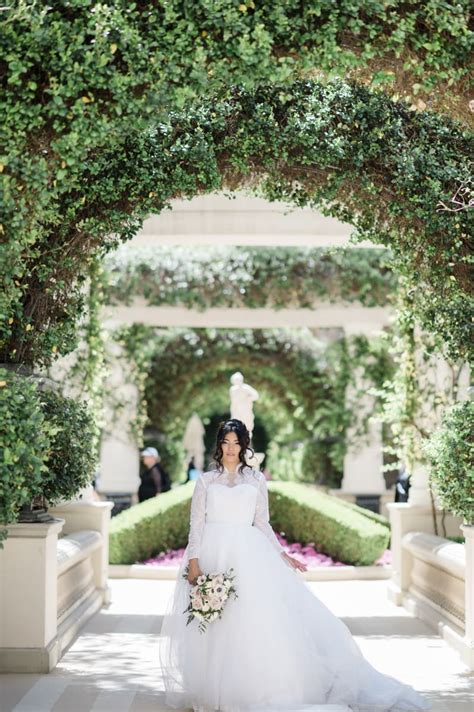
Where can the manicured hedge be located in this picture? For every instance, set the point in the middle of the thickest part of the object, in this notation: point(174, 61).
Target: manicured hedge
point(304, 514)
point(152, 526)
point(307, 515)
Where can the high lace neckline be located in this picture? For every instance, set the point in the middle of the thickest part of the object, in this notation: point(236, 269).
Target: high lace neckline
point(238, 470)
point(231, 478)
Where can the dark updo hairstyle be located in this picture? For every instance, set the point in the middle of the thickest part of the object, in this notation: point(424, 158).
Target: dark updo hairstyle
point(243, 436)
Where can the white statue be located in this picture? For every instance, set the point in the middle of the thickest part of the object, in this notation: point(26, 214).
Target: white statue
point(193, 441)
point(242, 397)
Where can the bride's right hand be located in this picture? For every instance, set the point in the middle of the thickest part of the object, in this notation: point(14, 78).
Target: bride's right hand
point(194, 571)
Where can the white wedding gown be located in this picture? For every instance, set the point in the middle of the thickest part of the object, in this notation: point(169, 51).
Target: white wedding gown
point(277, 646)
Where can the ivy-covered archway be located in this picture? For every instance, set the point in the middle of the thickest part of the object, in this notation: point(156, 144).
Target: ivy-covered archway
point(355, 155)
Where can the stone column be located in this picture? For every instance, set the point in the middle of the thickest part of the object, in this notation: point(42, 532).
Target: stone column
point(364, 459)
point(119, 454)
point(28, 598)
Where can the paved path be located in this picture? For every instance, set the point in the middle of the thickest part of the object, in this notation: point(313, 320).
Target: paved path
point(113, 664)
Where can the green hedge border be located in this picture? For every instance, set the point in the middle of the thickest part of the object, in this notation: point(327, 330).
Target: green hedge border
point(344, 532)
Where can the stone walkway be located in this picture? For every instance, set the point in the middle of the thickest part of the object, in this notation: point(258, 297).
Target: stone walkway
point(113, 665)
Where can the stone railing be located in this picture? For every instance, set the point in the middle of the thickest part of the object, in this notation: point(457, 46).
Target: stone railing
point(433, 577)
point(50, 586)
point(436, 585)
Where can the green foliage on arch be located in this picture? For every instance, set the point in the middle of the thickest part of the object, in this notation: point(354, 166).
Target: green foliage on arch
point(252, 277)
point(354, 155)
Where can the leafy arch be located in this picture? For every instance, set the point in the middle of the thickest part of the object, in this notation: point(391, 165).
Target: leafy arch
point(353, 154)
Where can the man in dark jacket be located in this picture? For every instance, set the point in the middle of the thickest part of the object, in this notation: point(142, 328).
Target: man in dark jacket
point(154, 479)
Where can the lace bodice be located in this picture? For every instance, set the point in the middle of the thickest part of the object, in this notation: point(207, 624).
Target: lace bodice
point(243, 475)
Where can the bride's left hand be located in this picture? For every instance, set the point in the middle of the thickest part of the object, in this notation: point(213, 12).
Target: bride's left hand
point(294, 562)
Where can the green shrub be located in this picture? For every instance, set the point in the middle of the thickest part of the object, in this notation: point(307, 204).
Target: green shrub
point(307, 515)
point(152, 526)
point(302, 513)
point(45, 445)
point(25, 439)
point(283, 460)
point(451, 454)
point(72, 458)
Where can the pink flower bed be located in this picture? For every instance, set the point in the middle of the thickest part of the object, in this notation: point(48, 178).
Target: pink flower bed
point(303, 552)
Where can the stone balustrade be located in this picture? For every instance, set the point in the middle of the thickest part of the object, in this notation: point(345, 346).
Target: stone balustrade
point(51, 585)
point(433, 576)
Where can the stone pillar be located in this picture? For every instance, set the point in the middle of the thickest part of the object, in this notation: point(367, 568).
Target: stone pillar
point(28, 598)
point(78, 516)
point(419, 493)
point(363, 465)
point(364, 459)
point(119, 454)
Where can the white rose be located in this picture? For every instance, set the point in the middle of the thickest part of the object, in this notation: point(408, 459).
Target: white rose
point(216, 603)
point(200, 580)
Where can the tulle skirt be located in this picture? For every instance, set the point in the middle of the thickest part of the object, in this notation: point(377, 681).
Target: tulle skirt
point(276, 647)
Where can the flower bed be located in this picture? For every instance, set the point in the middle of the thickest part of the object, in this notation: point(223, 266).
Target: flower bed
point(305, 553)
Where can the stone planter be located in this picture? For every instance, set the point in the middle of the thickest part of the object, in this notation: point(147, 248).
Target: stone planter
point(28, 601)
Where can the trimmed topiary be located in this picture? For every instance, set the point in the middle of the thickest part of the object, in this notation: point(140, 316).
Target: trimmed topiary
point(72, 457)
point(451, 455)
point(25, 438)
point(46, 445)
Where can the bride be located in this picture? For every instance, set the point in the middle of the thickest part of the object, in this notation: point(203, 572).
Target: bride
point(277, 646)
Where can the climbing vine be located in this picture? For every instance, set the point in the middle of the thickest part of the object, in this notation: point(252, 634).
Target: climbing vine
point(424, 384)
point(248, 277)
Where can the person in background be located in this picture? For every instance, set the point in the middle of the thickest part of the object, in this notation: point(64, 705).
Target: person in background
point(154, 479)
point(193, 471)
point(402, 486)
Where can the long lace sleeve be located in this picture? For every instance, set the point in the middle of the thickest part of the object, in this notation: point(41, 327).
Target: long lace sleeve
point(197, 519)
point(262, 514)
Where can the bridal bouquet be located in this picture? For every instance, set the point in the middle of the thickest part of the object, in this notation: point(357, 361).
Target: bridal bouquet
point(208, 597)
